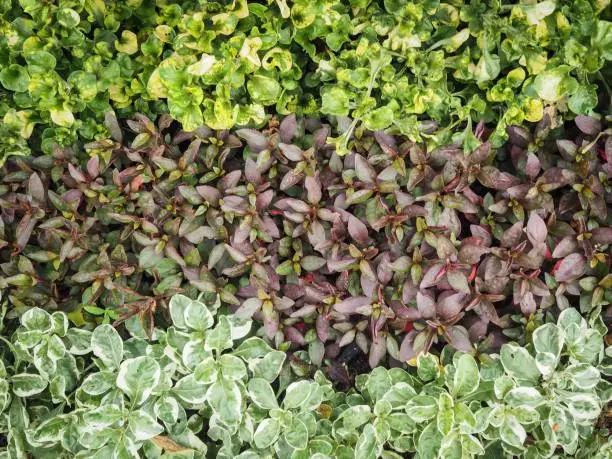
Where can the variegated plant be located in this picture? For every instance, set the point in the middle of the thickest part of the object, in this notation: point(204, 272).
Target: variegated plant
point(206, 386)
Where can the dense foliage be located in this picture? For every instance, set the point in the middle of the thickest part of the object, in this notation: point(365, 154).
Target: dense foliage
point(386, 251)
point(305, 229)
point(65, 63)
point(200, 386)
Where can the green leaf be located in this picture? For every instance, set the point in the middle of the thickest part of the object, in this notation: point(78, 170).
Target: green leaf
point(512, 432)
point(467, 377)
point(267, 433)
point(232, 367)
point(225, 399)
point(143, 426)
point(367, 447)
point(446, 415)
point(518, 362)
point(296, 434)
point(37, 319)
point(355, 416)
point(26, 384)
point(269, 366)
point(335, 101)
point(296, 394)
point(190, 390)
point(429, 442)
point(138, 377)
point(524, 396)
point(263, 89)
point(15, 78)
point(428, 367)
point(178, 306)
point(220, 337)
point(553, 85)
point(107, 345)
point(262, 394)
point(197, 316)
point(422, 408)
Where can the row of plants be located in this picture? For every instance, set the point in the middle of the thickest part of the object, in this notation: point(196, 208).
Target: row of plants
point(206, 386)
point(386, 64)
point(384, 252)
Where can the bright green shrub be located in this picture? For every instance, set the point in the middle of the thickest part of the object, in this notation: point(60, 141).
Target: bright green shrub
point(204, 385)
point(64, 63)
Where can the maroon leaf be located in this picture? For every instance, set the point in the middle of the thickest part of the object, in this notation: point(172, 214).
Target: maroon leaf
point(570, 268)
point(358, 230)
point(433, 276)
point(287, 128)
point(536, 229)
point(459, 338)
point(352, 305)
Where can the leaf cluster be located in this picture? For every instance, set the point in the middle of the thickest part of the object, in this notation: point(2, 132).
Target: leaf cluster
point(205, 385)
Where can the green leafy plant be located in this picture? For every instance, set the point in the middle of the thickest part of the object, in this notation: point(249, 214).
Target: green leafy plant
point(384, 64)
point(205, 386)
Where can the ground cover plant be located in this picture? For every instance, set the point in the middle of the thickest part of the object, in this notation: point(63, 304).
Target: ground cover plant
point(65, 63)
point(385, 252)
point(305, 229)
point(203, 385)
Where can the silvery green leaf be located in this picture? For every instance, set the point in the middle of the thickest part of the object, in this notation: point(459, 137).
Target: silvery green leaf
point(587, 348)
point(422, 408)
point(472, 445)
point(267, 433)
point(548, 338)
point(220, 337)
point(98, 383)
point(55, 348)
point(252, 348)
point(296, 394)
point(296, 434)
point(524, 396)
point(464, 418)
point(401, 422)
point(60, 323)
point(583, 406)
point(107, 345)
point(232, 367)
point(50, 430)
point(518, 362)
point(450, 447)
point(26, 384)
point(261, 394)
point(571, 316)
point(429, 442)
point(355, 416)
point(466, 377)
point(178, 306)
point(269, 366)
point(167, 409)
point(197, 316)
point(143, 426)
point(29, 338)
point(526, 414)
point(378, 382)
point(138, 377)
point(104, 416)
point(37, 319)
point(125, 449)
point(367, 446)
point(546, 363)
point(382, 408)
point(57, 388)
point(80, 341)
point(446, 415)
point(512, 432)
point(240, 327)
point(206, 371)
point(399, 394)
point(562, 424)
point(428, 367)
point(502, 385)
point(583, 376)
point(226, 400)
point(194, 352)
point(190, 390)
